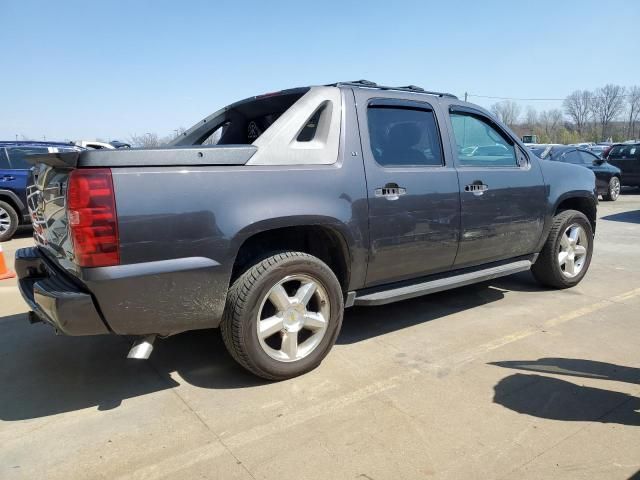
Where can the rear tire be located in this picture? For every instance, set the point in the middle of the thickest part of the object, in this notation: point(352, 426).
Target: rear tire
point(9, 221)
point(283, 315)
point(563, 261)
point(613, 190)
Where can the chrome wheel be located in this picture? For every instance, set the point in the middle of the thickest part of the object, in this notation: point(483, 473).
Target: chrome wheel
point(5, 221)
point(614, 188)
point(573, 250)
point(293, 318)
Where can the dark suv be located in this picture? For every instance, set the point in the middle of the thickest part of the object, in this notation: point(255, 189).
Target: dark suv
point(627, 158)
point(608, 177)
point(14, 175)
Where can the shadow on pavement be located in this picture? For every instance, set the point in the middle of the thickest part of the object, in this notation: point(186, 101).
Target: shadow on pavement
point(630, 191)
point(24, 231)
point(556, 399)
point(43, 374)
point(632, 216)
point(576, 368)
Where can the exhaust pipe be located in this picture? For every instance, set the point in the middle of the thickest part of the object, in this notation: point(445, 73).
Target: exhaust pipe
point(142, 348)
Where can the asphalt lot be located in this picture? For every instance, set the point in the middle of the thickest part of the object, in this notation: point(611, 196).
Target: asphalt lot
point(498, 380)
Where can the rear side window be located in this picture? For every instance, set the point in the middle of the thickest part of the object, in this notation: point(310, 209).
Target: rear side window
point(625, 151)
point(310, 128)
point(572, 157)
point(404, 137)
point(479, 144)
point(17, 156)
point(587, 158)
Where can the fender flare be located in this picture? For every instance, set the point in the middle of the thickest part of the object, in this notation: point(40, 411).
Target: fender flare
point(14, 199)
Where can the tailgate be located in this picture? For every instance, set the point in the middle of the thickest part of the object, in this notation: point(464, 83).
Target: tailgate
point(46, 199)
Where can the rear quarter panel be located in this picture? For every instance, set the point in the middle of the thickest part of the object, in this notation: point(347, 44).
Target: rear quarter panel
point(208, 212)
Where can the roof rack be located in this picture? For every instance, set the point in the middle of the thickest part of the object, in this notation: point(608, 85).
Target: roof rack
point(408, 88)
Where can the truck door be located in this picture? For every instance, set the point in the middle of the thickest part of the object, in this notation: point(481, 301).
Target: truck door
point(503, 195)
point(13, 177)
point(413, 194)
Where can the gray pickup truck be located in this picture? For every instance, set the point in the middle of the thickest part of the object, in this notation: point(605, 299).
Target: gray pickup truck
point(272, 215)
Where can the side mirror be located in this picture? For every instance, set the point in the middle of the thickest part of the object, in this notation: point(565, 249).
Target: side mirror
point(598, 161)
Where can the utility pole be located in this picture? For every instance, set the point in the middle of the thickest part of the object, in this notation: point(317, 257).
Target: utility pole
point(465, 96)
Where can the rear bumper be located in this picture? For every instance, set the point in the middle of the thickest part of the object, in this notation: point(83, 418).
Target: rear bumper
point(163, 297)
point(54, 298)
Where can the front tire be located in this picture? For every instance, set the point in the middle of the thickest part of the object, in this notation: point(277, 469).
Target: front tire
point(283, 315)
point(613, 190)
point(8, 221)
point(566, 255)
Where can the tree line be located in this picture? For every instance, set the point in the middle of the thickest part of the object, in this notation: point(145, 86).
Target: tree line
point(610, 112)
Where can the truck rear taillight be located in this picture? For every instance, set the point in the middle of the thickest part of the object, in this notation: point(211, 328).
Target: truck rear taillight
point(93, 222)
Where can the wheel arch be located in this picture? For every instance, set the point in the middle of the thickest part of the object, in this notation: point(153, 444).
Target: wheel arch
point(582, 202)
point(12, 199)
point(326, 240)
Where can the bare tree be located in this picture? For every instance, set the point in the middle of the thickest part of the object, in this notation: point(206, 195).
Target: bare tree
point(607, 104)
point(148, 140)
point(633, 101)
point(531, 117)
point(578, 106)
point(551, 121)
point(507, 112)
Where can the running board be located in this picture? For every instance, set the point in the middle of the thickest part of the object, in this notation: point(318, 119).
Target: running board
point(433, 286)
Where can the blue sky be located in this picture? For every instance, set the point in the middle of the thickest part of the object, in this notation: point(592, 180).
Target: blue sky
point(83, 69)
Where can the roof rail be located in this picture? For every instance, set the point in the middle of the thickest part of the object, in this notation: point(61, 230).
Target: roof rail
point(408, 88)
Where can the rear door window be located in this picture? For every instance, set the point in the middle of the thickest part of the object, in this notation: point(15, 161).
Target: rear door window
point(624, 152)
point(17, 156)
point(4, 160)
point(480, 144)
point(402, 137)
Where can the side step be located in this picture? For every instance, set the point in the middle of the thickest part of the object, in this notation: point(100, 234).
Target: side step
point(433, 286)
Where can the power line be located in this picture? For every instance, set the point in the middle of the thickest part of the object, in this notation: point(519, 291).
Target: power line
point(519, 99)
point(534, 99)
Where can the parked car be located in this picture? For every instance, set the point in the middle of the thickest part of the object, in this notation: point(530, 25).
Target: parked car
point(14, 174)
point(94, 145)
point(119, 144)
point(270, 233)
point(599, 150)
point(608, 177)
point(585, 145)
point(627, 158)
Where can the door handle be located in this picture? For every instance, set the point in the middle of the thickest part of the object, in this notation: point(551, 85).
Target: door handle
point(7, 178)
point(477, 188)
point(391, 191)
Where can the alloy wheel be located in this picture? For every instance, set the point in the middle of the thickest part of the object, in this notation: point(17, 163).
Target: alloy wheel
point(614, 188)
point(572, 254)
point(5, 221)
point(293, 318)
